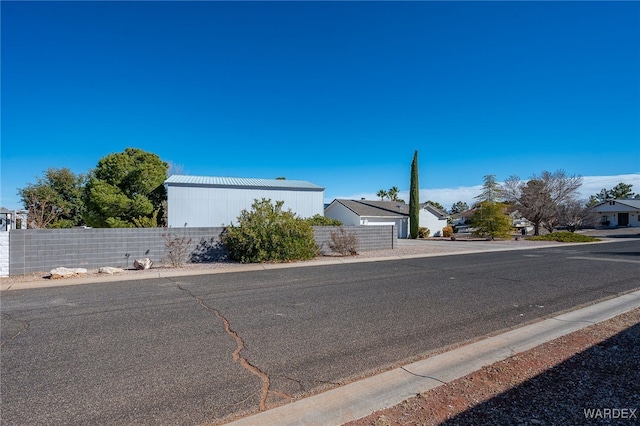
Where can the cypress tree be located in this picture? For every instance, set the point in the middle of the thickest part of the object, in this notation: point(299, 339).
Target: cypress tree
point(414, 199)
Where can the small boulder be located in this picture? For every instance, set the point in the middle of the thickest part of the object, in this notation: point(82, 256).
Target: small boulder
point(61, 272)
point(141, 264)
point(109, 270)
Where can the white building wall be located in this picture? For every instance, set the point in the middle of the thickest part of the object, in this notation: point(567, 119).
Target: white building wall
point(4, 254)
point(428, 220)
point(200, 206)
point(610, 211)
point(343, 214)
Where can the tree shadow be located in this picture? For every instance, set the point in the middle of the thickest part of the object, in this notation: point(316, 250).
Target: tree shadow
point(604, 376)
point(207, 251)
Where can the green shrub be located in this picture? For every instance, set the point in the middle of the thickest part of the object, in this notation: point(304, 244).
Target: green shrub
point(319, 220)
point(491, 222)
point(269, 234)
point(447, 231)
point(564, 237)
point(423, 232)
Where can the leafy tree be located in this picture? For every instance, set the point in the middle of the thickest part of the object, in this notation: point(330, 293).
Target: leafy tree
point(540, 199)
point(620, 191)
point(382, 194)
point(437, 205)
point(126, 186)
point(268, 233)
point(55, 200)
point(459, 207)
point(491, 190)
point(491, 221)
point(319, 220)
point(414, 199)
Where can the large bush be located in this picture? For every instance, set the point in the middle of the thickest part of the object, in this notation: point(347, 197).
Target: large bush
point(319, 220)
point(269, 234)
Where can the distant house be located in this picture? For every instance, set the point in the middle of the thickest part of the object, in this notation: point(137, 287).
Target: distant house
point(619, 212)
point(432, 218)
point(372, 213)
point(462, 221)
point(462, 218)
point(209, 201)
point(12, 219)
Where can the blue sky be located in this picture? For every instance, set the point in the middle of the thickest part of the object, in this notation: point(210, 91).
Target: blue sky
point(340, 94)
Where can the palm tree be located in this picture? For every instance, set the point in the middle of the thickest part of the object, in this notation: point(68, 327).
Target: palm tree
point(382, 193)
point(393, 193)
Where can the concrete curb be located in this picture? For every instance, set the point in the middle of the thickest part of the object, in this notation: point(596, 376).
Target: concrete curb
point(361, 398)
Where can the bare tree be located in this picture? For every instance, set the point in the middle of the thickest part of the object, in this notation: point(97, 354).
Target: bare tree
point(541, 199)
point(41, 212)
point(577, 214)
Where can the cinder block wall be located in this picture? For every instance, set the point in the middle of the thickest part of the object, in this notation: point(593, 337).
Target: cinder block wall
point(40, 250)
point(369, 237)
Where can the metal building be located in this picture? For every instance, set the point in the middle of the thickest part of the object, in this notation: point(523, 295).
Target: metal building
point(195, 201)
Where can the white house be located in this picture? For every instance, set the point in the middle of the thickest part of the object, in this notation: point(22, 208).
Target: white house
point(372, 213)
point(432, 218)
point(620, 212)
point(208, 201)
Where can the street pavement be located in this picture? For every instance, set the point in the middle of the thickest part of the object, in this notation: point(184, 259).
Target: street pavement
point(185, 350)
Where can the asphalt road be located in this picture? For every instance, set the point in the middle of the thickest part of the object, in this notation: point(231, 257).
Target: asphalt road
point(202, 348)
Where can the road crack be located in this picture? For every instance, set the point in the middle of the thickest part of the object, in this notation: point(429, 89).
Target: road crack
point(25, 327)
point(420, 375)
point(237, 357)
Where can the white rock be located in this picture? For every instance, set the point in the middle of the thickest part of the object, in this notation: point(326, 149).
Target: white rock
point(109, 270)
point(144, 263)
point(62, 272)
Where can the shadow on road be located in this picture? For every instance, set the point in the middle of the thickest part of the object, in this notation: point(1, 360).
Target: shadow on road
point(600, 385)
